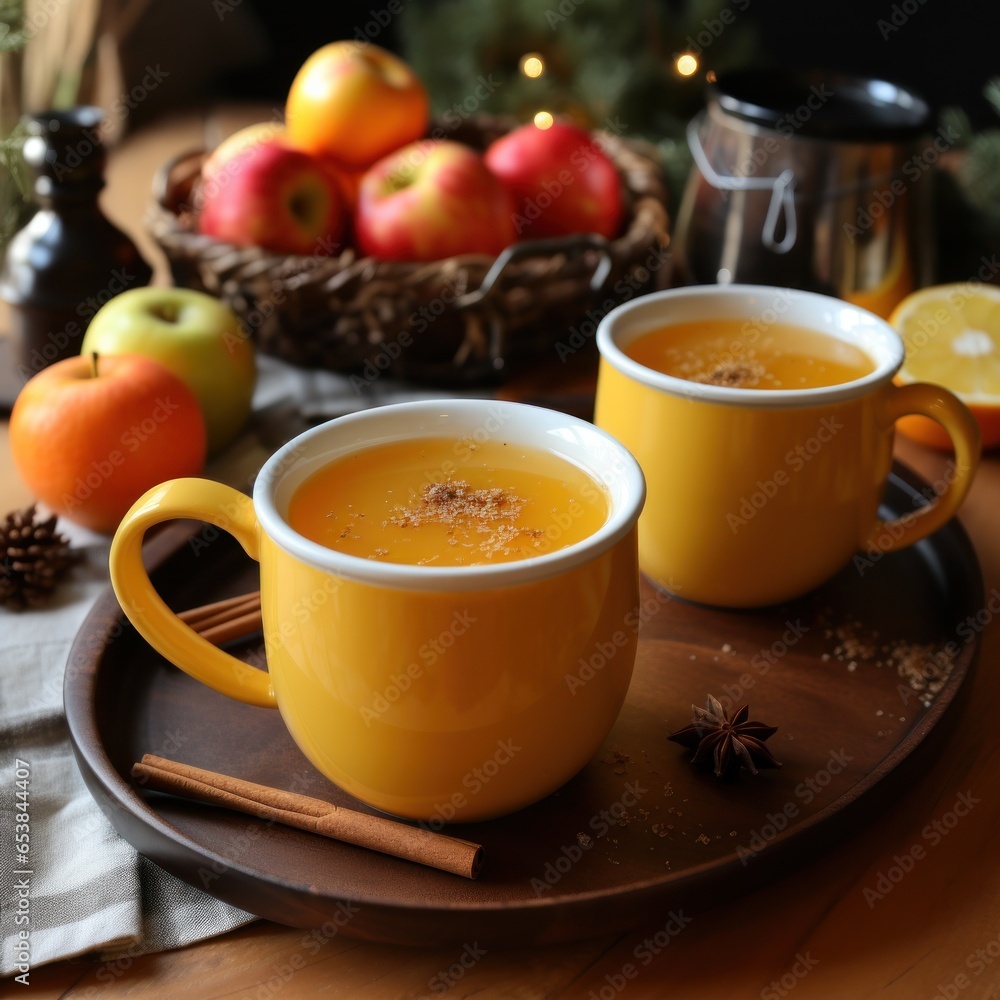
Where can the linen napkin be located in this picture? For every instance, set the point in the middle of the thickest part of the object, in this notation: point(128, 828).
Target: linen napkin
point(79, 887)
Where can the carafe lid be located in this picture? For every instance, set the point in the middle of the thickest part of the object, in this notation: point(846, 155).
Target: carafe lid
point(64, 150)
point(822, 105)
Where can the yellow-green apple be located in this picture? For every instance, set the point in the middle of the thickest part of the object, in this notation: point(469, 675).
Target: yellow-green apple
point(432, 199)
point(272, 196)
point(89, 435)
point(561, 181)
point(198, 337)
point(356, 102)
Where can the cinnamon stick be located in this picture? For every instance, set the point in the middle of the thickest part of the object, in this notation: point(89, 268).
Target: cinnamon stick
point(223, 621)
point(377, 833)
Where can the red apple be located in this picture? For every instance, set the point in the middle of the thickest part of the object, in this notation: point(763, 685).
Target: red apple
point(89, 435)
point(273, 196)
point(216, 163)
point(429, 200)
point(561, 181)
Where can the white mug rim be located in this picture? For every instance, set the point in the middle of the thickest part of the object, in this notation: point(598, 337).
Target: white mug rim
point(883, 344)
point(597, 452)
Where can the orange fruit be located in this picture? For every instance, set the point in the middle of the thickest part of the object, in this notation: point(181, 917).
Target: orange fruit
point(952, 337)
point(89, 437)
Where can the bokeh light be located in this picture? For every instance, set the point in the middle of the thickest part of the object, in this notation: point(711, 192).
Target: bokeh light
point(686, 65)
point(543, 119)
point(532, 65)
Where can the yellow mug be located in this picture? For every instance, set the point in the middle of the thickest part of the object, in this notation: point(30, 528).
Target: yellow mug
point(433, 693)
point(758, 496)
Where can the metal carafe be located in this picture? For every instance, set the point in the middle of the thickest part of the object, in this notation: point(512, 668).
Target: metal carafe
point(810, 180)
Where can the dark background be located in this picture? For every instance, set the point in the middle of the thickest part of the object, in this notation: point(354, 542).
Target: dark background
point(946, 50)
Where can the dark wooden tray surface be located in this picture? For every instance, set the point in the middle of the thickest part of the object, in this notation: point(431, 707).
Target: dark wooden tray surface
point(662, 836)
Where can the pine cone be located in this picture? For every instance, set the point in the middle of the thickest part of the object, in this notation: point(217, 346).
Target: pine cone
point(33, 556)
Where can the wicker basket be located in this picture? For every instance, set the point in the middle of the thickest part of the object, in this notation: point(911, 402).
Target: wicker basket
point(459, 321)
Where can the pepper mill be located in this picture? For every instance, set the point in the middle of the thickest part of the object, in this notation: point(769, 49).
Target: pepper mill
point(69, 259)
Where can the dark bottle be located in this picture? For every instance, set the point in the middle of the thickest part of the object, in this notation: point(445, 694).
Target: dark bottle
point(68, 260)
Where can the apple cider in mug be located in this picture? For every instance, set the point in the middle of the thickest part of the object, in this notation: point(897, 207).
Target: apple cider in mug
point(441, 502)
point(721, 352)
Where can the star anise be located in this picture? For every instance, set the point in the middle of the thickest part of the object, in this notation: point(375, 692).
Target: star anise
point(730, 742)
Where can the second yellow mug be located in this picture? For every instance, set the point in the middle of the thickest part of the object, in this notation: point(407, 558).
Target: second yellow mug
point(757, 496)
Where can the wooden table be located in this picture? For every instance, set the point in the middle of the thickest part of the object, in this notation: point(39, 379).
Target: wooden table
point(811, 935)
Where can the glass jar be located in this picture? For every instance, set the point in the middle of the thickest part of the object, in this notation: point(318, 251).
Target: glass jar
point(809, 180)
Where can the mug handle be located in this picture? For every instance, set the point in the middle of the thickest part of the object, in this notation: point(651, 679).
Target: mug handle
point(227, 509)
point(953, 415)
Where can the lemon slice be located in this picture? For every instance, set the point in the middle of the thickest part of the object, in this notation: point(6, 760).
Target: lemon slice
point(952, 338)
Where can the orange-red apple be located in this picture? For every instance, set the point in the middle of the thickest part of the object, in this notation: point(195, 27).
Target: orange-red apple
point(356, 102)
point(561, 181)
point(432, 199)
point(90, 435)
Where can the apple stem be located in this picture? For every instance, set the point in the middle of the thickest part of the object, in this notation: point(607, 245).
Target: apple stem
point(93, 362)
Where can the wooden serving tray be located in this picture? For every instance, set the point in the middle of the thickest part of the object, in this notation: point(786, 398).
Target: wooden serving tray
point(638, 835)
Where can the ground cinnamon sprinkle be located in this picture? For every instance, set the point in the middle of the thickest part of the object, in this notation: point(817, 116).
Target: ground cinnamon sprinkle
point(924, 667)
point(456, 503)
point(736, 374)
